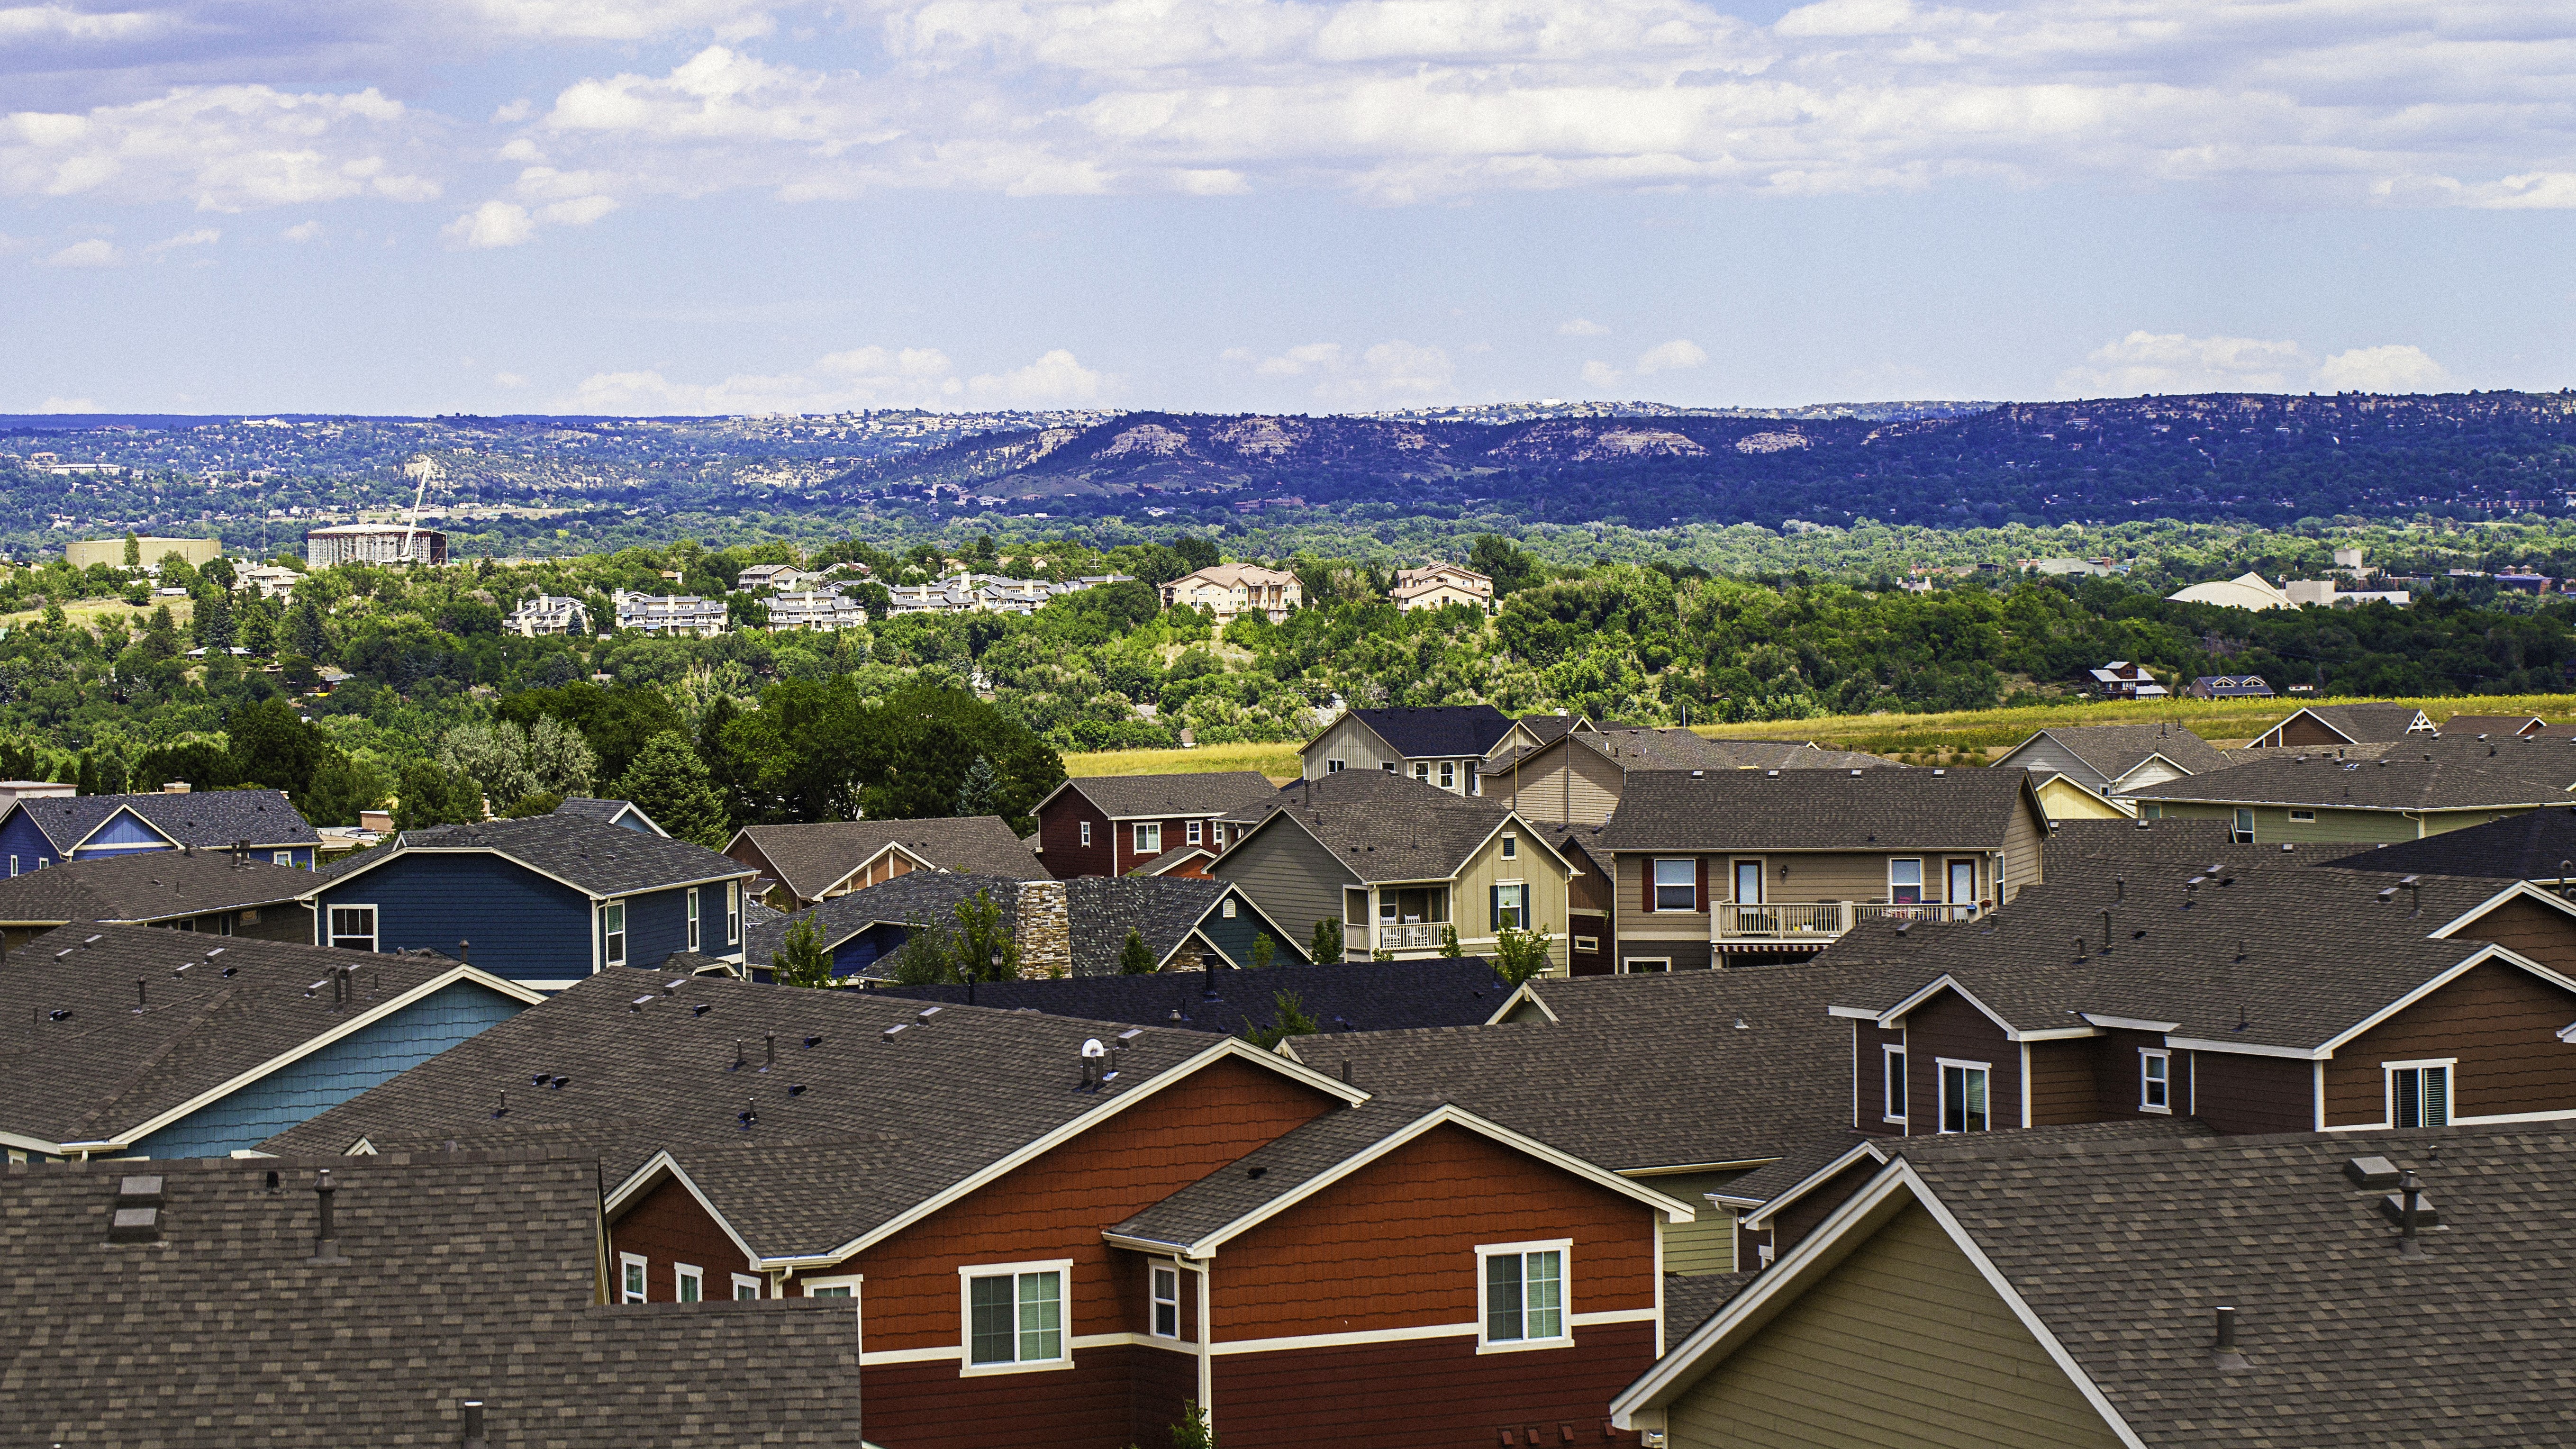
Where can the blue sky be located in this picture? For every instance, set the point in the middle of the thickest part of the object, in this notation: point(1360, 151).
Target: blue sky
point(733, 205)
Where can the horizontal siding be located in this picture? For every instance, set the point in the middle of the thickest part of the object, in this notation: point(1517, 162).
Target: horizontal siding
point(2272, 823)
point(2499, 1020)
point(2048, 757)
point(1708, 1244)
point(1439, 1394)
point(1947, 1026)
point(523, 925)
point(1294, 878)
point(2063, 1087)
point(1902, 1346)
point(2246, 1094)
point(669, 1228)
point(931, 1406)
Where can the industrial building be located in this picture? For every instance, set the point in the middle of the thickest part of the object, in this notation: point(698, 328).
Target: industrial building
point(374, 543)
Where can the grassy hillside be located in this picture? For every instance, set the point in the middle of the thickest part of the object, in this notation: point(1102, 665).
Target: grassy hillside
point(1965, 736)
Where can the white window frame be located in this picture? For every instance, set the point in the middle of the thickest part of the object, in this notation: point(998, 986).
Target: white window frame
point(375, 926)
point(612, 939)
point(1587, 945)
point(1155, 1275)
point(693, 918)
point(1511, 847)
point(1332, 767)
point(1391, 768)
point(843, 1286)
point(1941, 1094)
point(1735, 878)
point(1192, 833)
point(733, 913)
point(1448, 774)
point(1892, 863)
point(1655, 875)
point(1227, 908)
point(1086, 832)
point(1422, 771)
point(2240, 827)
point(1629, 964)
point(2450, 1070)
point(281, 857)
point(633, 1272)
point(1148, 844)
point(1564, 1336)
point(966, 1276)
point(742, 1281)
point(688, 1283)
point(2303, 817)
point(13, 867)
point(1521, 907)
point(2146, 1079)
point(1892, 1083)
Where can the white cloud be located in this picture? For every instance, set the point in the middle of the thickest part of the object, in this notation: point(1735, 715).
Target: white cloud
point(863, 377)
point(2170, 362)
point(302, 231)
point(2383, 369)
point(1600, 375)
point(1678, 355)
point(67, 405)
point(221, 148)
point(493, 224)
point(508, 379)
point(96, 252)
point(1579, 327)
point(1391, 371)
point(204, 236)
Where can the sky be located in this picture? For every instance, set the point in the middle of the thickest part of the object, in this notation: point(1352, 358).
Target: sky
point(722, 206)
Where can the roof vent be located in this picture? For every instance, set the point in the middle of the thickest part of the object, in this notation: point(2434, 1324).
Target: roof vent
point(924, 1015)
point(1255, 1172)
point(796, 1089)
point(1699, 774)
point(698, 1010)
point(137, 1217)
point(1772, 774)
point(1937, 774)
point(672, 988)
point(2371, 1172)
point(2223, 1351)
point(1855, 774)
point(641, 1002)
point(894, 1031)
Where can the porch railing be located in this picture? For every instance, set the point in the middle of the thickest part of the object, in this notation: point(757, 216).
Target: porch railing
point(1823, 920)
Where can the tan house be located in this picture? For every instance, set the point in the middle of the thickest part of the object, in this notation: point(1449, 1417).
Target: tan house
point(1230, 589)
point(1577, 776)
point(1440, 585)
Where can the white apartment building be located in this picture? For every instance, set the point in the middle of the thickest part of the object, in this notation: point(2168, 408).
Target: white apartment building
point(670, 613)
point(549, 614)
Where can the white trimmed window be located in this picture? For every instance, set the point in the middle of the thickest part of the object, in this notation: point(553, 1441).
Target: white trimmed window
point(281, 857)
point(1905, 882)
point(1167, 1303)
point(2243, 834)
point(1647, 963)
point(1677, 885)
point(2419, 1093)
point(2303, 817)
point(733, 913)
point(612, 927)
point(688, 1282)
point(1086, 832)
point(1014, 1316)
point(693, 918)
point(630, 1273)
point(1521, 1296)
point(1422, 772)
point(13, 865)
point(833, 1287)
point(1448, 774)
point(1963, 1095)
point(1511, 847)
point(2155, 1080)
point(1390, 768)
point(746, 1288)
point(1149, 838)
point(1892, 1082)
point(1195, 828)
point(1332, 767)
point(353, 928)
point(1227, 909)
point(1587, 944)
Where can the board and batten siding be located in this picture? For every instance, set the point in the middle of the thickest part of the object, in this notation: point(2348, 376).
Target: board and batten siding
point(1534, 865)
point(523, 925)
point(1901, 1343)
point(1354, 744)
point(2045, 755)
point(2025, 837)
point(1296, 880)
point(24, 846)
point(305, 1088)
point(1571, 783)
point(2500, 1022)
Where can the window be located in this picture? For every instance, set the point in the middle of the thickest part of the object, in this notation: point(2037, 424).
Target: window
point(1524, 1295)
point(693, 918)
point(1511, 908)
point(1905, 882)
point(1355, 908)
point(281, 857)
point(1473, 788)
point(1963, 883)
point(746, 1289)
point(1195, 827)
point(689, 1283)
point(1149, 838)
point(2419, 1093)
point(1390, 768)
point(1086, 832)
point(353, 928)
point(2155, 1080)
point(1636, 964)
point(612, 925)
point(1963, 1096)
point(1015, 1315)
point(1511, 847)
point(2303, 817)
point(1892, 1071)
point(1227, 910)
point(832, 1287)
point(2243, 834)
point(733, 913)
point(13, 865)
point(1587, 945)
point(43, 861)
point(2151, 811)
point(1422, 772)
point(631, 1278)
point(1676, 885)
point(1448, 774)
point(1167, 1302)
point(1332, 767)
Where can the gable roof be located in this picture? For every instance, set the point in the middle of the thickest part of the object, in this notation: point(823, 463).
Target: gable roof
point(612, 812)
point(1819, 810)
point(588, 855)
point(2497, 724)
point(2113, 1250)
point(811, 859)
point(223, 1321)
point(1155, 797)
point(210, 818)
point(1173, 859)
point(915, 898)
point(1383, 827)
point(157, 885)
point(1163, 910)
point(2436, 775)
point(108, 1072)
point(1341, 996)
point(2112, 751)
point(1464, 731)
point(2534, 845)
point(1646, 747)
point(935, 1105)
point(2360, 723)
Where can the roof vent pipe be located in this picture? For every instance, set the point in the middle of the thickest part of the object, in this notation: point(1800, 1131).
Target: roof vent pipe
point(2225, 1349)
point(2411, 1189)
point(2079, 948)
point(326, 1241)
point(474, 1424)
point(2106, 933)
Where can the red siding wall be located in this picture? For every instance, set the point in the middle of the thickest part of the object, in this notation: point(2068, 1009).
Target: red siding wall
point(668, 1227)
point(1060, 831)
point(1947, 1026)
point(1437, 1394)
point(2499, 1020)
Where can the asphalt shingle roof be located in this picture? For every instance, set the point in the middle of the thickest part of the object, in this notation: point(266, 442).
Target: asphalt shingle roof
point(1644, 747)
point(1691, 1299)
point(1216, 792)
point(2114, 750)
point(1420, 731)
point(1162, 910)
point(106, 1067)
point(811, 859)
point(1384, 827)
point(915, 898)
point(152, 886)
point(1345, 996)
point(2439, 775)
point(1275, 1170)
point(213, 818)
point(605, 811)
point(466, 1276)
point(2367, 723)
point(605, 860)
point(1815, 810)
point(2535, 845)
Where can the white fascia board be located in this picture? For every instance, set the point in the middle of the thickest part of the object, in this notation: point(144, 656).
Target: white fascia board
point(2244, 1049)
point(2490, 953)
point(2521, 888)
point(1761, 1220)
point(2126, 1023)
point(663, 1164)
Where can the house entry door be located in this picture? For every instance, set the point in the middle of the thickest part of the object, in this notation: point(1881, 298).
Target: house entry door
point(1963, 882)
point(1748, 882)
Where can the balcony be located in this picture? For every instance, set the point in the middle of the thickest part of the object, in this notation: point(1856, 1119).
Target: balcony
point(1817, 922)
point(1409, 938)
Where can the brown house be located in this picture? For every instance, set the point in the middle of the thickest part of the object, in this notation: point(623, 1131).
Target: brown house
point(1113, 824)
point(803, 864)
point(2346, 724)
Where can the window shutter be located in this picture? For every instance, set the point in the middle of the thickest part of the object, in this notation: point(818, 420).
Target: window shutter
point(1494, 909)
point(1646, 868)
point(1699, 902)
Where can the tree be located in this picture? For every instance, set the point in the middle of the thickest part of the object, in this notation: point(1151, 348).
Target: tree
point(1194, 1431)
point(1133, 957)
point(1327, 943)
point(1509, 566)
point(493, 755)
point(1264, 951)
point(1288, 1018)
point(213, 624)
point(800, 960)
point(304, 633)
point(1198, 553)
point(219, 572)
point(669, 782)
point(1520, 955)
point(133, 550)
point(428, 795)
point(341, 787)
point(616, 721)
point(529, 806)
point(980, 791)
point(871, 596)
point(1449, 942)
point(271, 744)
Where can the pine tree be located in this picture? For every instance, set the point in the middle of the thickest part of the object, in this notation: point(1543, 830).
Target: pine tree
point(304, 633)
point(799, 960)
point(980, 793)
point(1133, 958)
point(669, 782)
point(133, 550)
point(213, 625)
point(1326, 947)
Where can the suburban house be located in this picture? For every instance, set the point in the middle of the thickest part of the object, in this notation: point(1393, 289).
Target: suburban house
point(2494, 724)
point(151, 1302)
point(1229, 589)
point(2328, 725)
point(798, 865)
point(1436, 586)
point(1441, 745)
point(1113, 824)
point(1077, 927)
point(2152, 1290)
point(1744, 866)
point(2229, 686)
point(2537, 845)
point(219, 893)
point(625, 814)
point(2105, 758)
point(815, 611)
point(1399, 864)
point(133, 1042)
point(2121, 679)
point(2401, 794)
point(669, 613)
point(1136, 1218)
point(547, 614)
point(39, 831)
point(1577, 777)
point(554, 898)
point(1339, 996)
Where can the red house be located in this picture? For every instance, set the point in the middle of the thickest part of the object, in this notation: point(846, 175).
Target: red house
point(1051, 1239)
point(1113, 824)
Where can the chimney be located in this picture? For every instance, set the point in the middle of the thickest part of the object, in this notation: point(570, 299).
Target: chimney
point(175, 787)
point(326, 1240)
point(1045, 930)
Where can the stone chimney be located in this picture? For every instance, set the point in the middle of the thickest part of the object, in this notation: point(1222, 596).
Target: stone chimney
point(1046, 929)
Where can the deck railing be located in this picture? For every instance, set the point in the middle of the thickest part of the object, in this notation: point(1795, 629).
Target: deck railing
point(1822, 921)
point(1408, 938)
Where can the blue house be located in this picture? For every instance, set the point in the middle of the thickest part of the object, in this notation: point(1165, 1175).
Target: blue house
point(143, 1042)
point(49, 830)
point(543, 901)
